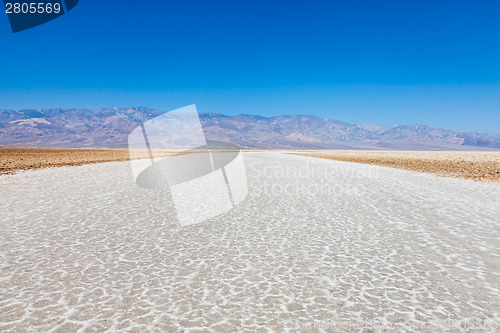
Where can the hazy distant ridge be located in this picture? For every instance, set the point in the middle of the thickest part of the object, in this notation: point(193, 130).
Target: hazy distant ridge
point(110, 127)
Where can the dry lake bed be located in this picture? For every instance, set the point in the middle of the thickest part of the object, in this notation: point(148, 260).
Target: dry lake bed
point(318, 245)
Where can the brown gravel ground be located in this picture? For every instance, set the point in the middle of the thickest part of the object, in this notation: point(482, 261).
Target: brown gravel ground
point(14, 158)
point(470, 164)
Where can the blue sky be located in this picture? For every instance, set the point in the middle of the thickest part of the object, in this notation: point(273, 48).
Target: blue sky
point(383, 62)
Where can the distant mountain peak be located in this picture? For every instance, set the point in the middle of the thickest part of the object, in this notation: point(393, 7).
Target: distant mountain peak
point(211, 115)
point(110, 127)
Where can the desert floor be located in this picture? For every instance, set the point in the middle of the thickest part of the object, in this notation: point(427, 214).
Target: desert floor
point(462, 164)
point(317, 245)
point(14, 158)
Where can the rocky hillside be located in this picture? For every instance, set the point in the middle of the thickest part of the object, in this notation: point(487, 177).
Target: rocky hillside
point(110, 127)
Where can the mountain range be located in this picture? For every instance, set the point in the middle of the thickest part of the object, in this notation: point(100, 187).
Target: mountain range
point(110, 127)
